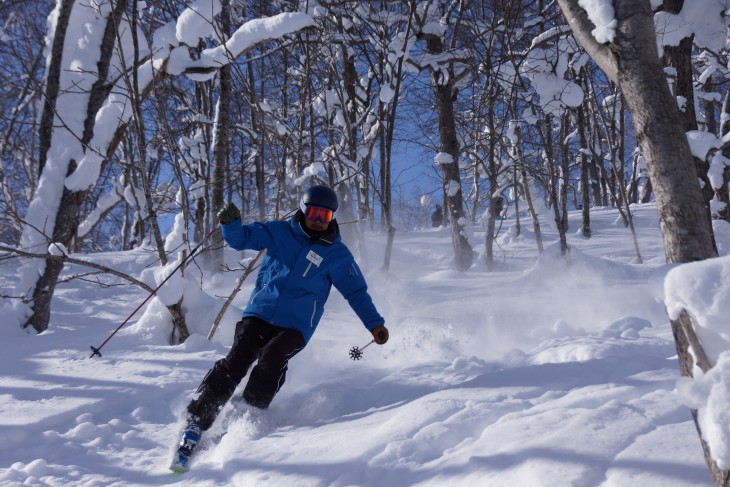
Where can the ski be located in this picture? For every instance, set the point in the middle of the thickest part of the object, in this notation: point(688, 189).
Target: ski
point(247, 421)
point(180, 462)
point(188, 441)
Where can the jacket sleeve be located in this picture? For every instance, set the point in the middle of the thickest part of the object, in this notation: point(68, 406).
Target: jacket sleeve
point(254, 236)
point(349, 281)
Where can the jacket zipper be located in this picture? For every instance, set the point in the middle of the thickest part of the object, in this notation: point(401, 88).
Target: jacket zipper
point(314, 312)
point(307, 270)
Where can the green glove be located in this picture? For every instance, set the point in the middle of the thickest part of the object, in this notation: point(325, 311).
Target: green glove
point(380, 334)
point(229, 213)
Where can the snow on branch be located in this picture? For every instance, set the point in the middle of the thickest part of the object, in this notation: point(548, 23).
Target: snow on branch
point(245, 38)
point(196, 21)
point(168, 60)
point(603, 17)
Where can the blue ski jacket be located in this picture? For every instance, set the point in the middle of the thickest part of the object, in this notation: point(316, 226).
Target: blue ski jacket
point(297, 273)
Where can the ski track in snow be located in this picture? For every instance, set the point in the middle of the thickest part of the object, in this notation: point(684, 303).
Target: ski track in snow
point(532, 375)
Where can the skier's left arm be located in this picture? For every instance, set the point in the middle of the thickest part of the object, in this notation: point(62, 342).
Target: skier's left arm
point(349, 281)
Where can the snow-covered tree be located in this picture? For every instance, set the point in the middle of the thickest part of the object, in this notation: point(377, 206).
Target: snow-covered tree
point(89, 102)
point(622, 39)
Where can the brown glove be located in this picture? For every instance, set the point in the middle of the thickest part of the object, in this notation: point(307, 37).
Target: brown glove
point(380, 334)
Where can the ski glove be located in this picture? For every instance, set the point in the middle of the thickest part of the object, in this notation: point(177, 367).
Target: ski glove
point(229, 213)
point(380, 334)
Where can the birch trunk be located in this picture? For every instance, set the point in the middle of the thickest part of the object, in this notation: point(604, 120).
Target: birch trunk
point(631, 61)
point(66, 221)
point(53, 212)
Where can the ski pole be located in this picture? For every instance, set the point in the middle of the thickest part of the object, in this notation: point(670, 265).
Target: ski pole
point(96, 350)
point(356, 353)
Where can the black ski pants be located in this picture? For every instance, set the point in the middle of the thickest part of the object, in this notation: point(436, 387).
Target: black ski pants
point(255, 339)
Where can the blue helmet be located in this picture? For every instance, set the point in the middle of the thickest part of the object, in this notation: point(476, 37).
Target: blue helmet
point(321, 196)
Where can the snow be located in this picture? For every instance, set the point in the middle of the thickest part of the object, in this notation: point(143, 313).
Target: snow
point(539, 373)
point(703, 290)
point(705, 19)
point(718, 163)
point(312, 170)
point(75, 86)
point(546, 69)
point(105, 203)
point(601, 14)
point(709, 395)
point(700, 143)
point(196, 22)
point(57, 249)
point(249, 34)
point(670, 29)
point(451, 188)
point(80, 59)
point(443, 158)
point(386, 94)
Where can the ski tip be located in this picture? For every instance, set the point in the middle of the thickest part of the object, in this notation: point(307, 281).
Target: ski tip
point(178, 469)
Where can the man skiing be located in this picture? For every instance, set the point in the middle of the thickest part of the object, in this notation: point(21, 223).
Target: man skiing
point(305, 257)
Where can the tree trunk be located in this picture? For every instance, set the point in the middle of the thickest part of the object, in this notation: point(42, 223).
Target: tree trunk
point(689, 354)
point(516, 188)
point(222, 137)
point(723, 192)
point(561, 205)
point(43, 291)
point(53, 212)
point(680, 58)
point(344, 188)
point(493, 175)
point(259, 157)
point(585, 187)
point(386, 210)
point(179, 332)
point(530, 205)
point(664, 145)
point(442, 83)
point(555, 189)
point(646, 193)
point(631, 60)
point(53, 79)
point(66, 222)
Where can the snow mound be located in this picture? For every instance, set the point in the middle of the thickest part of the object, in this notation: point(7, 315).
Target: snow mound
point(576, 267)
point(621, 338)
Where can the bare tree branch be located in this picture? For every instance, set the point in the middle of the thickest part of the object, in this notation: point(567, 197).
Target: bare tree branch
point(72, 260)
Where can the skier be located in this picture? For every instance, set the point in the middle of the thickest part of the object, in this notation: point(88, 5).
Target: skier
point(305, 257)
point(437, 217)
point(498, 207)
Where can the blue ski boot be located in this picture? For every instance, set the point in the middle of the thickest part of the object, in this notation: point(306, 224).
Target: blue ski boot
point(190, 438)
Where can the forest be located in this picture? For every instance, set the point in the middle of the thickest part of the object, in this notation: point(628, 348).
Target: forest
point(492, 101)
point(124, 122)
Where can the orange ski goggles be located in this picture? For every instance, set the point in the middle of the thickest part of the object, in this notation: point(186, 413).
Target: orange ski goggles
point(317, 214)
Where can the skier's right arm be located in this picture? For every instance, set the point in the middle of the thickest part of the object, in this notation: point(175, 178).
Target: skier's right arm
point(255, 236)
